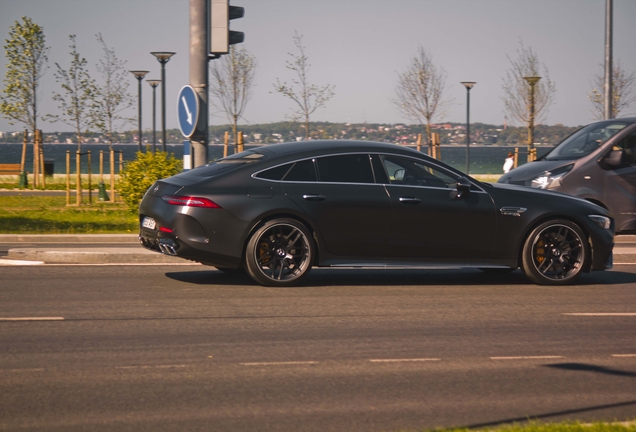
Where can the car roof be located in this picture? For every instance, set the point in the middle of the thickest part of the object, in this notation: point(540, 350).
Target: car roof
point(299, 147)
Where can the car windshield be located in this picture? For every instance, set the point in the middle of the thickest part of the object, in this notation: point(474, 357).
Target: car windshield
point(585, 141)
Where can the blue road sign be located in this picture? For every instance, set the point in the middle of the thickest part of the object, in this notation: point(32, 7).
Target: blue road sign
point(188, 110)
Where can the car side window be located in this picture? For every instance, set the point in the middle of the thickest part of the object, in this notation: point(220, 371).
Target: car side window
point(302, 171)
point(411, 172)
point(276, 173)
point(628, 145)
point(351, 168)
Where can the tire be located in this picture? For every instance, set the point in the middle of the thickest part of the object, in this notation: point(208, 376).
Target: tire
point(280, 253)
point(555, 253)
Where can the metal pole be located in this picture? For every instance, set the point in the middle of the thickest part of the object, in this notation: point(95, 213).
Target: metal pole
point(607, 111)
point(139, 75)
point(467, 130)
point(531, 120)
point(163, 105)
point(199, 54)
point(139, 110)
point(154, 119)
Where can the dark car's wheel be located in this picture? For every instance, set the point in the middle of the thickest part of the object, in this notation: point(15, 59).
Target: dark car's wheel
point(279, 253)
point(555, 253)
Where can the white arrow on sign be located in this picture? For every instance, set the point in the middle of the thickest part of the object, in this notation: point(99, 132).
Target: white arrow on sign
point(183, 99)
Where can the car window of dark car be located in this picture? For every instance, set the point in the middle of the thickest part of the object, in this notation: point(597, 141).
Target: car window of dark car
point(584, 141)
point(628, 145)
point(302, 171)
point(351, 168)
point(411, 172)
point(276, 173)
point(378, 170)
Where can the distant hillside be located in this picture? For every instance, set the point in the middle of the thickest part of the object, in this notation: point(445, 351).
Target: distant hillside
point(450, 133)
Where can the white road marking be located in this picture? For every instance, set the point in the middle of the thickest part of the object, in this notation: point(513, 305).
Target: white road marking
point(623, 355)
point(404, 360)
point(151, 367)
point(33, 319)
point(12, 262)
point(278, 363)
point(23, 370)
point(526, 357)
point(601, 314)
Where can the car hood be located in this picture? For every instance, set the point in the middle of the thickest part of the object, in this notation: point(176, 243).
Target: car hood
point(501, 194)
point(526, 172)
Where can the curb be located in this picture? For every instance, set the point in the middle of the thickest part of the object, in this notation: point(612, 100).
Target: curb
point(69, 238)
point(92, 255)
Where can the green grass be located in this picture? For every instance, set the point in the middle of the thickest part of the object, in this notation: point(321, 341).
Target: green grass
point(554, 427)
point(50, 215)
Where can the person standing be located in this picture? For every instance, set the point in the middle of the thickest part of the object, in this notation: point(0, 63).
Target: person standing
point(509, 163)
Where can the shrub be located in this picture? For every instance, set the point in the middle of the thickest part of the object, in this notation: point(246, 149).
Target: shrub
point(139, 174)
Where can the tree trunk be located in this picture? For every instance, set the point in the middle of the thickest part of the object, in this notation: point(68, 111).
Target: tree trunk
point(428, 137)
point(235, 133)
point(306, 127)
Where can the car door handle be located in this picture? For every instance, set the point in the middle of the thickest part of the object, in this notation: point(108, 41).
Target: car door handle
point(314, 197)
point(410, 200)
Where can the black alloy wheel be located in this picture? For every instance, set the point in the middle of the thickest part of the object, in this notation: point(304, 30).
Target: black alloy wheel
point(279, 253)
point(555, 253)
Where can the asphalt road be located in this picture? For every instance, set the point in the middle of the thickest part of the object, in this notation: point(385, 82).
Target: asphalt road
point(161, 348)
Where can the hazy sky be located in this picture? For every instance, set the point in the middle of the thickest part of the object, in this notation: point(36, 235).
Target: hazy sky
point(357, 45)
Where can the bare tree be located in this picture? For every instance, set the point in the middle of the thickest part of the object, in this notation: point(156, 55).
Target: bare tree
point(420, 91)
point(517, 90)
point(232, 79)
point(112, 97)
point(77, 102)
point(623, 91)
point(26, 56)
point(308, 97)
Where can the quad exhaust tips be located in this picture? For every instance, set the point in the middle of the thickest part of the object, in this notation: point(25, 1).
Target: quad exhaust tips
point(167, 249)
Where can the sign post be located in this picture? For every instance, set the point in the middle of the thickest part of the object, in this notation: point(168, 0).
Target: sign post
point(188, 114)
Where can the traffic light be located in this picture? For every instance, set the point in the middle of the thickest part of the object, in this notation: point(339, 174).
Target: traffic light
point(221, 37)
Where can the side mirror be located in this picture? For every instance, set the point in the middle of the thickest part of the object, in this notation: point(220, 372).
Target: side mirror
point(399, 174)
point(614, 159)
point(463, 187)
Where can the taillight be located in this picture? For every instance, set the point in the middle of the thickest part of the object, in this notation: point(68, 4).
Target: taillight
point(189, 201)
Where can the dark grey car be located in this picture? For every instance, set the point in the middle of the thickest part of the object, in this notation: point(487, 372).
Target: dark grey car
point(597, 163)
point(277, 210)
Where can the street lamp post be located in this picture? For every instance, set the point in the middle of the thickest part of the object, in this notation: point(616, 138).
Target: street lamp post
point(163, 57)
point(532, 81)
point(468, 85)
point(154, 84)
point(139, 74)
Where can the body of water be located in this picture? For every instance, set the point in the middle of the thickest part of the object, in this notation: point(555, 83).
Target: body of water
point(483, 159)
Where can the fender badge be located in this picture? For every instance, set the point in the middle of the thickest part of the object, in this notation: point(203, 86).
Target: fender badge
point(512, 211)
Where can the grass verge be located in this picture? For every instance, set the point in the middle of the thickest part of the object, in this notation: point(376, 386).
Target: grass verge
point(50, 215)
point(555, 427)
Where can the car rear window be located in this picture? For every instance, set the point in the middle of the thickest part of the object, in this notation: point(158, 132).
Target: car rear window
point(351, 168)
point(302, 171)
point(225, 165)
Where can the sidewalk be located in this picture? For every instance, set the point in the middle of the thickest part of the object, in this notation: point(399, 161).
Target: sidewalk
point(125, 248)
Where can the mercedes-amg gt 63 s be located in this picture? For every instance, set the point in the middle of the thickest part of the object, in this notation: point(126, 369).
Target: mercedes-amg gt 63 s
point(275, 211)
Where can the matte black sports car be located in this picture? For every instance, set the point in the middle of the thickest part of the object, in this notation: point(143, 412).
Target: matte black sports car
point(277, 210)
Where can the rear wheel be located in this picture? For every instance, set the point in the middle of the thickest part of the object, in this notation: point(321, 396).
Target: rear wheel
point(279, 253)
point(555, 253)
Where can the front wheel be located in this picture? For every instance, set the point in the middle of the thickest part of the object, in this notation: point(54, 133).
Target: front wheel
point(279, 253)
point(555, 253)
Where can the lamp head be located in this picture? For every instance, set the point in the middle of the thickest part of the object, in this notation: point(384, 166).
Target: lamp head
point(154, 82)
point(532, 80)
point(468, 84)
point(163, 56)
point(139, 74)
